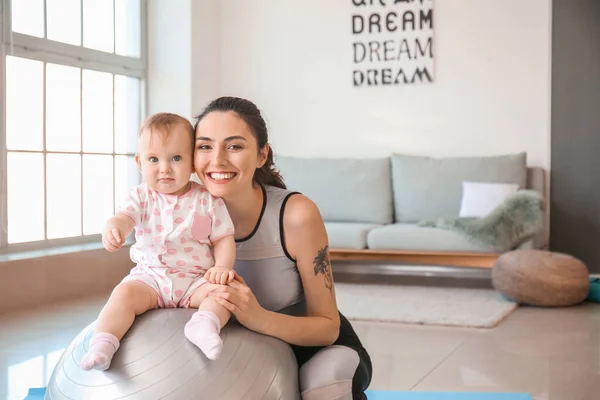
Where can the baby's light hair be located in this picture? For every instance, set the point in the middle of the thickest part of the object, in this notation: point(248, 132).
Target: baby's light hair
point(164, 122)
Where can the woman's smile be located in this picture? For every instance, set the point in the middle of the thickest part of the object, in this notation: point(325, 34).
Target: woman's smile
point(220, 177)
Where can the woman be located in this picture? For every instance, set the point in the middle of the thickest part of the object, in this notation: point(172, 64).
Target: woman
point(284, 286)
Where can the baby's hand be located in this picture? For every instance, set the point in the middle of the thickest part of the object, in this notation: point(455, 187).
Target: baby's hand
point(220, 275)
point(112, 238)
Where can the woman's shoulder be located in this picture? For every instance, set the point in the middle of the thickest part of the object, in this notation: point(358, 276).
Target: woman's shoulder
point(301, 212)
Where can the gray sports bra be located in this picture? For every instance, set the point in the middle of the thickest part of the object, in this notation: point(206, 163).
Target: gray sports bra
point(264, 263)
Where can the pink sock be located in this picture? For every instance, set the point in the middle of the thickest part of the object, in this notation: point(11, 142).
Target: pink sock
point(103, 347)
point(203, 330)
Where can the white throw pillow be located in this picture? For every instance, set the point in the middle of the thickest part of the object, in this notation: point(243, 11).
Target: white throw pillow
point(480, 198)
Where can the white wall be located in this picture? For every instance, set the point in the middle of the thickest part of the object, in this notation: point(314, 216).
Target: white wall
point(169, 57)
point(491, 92)
point(183, 55)
point(206, 52)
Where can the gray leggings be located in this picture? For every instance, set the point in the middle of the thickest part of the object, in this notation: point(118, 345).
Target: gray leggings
point(329, 374)
point(341, 371)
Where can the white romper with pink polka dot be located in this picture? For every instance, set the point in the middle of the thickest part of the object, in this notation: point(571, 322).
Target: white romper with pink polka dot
point(173, 239)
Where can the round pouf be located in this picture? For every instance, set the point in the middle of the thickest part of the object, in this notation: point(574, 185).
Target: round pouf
point(156, 361)
point(541, 278)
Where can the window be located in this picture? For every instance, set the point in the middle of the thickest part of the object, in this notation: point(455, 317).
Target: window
point(73, 76)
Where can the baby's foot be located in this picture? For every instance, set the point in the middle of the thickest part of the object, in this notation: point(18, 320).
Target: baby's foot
point(103, 347)
point(203, 330)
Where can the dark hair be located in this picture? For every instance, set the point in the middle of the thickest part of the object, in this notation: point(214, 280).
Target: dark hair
point(246, 110)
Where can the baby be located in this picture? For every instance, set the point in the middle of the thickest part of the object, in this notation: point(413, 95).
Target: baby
point(184, 244)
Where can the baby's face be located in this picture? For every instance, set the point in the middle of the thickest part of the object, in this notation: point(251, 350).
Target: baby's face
point(165, 160)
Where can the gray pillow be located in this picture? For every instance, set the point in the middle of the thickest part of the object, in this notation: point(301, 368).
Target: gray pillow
point(344, 189)
point(428, 188)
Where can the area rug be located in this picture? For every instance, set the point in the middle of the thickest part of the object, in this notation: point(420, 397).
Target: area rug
point(448, 306)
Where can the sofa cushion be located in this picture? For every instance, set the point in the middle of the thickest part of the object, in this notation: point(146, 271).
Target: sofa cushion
point(413, 237)
point(348, 235)
point(429, 188)
point(344, 189)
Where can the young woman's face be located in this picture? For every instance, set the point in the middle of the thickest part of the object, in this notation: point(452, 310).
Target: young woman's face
point(226, 154)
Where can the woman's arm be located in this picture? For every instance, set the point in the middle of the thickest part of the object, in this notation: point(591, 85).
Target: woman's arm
point(306, 241)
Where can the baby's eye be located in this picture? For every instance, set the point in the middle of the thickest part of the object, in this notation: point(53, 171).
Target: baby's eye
point(177, 158)
point(153, 160)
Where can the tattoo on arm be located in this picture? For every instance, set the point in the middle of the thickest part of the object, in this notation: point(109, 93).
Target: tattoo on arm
point(323, 266)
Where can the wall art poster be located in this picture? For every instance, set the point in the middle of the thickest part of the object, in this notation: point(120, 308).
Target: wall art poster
point(392, 42)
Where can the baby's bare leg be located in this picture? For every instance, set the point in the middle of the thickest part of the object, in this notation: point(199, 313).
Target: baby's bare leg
point(127, 300)
point(201, 301)
point(205, 325)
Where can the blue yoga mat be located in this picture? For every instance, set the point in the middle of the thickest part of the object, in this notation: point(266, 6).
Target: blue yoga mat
point(398, 395)
point(38, 394)
point(594, 293)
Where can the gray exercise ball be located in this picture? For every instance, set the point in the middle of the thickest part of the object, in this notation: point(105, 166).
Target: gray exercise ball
point(156, 361)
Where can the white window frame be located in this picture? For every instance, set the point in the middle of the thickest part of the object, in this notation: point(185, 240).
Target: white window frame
point(45, 50)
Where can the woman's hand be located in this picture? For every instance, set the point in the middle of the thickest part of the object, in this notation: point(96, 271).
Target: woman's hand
point(237, 297)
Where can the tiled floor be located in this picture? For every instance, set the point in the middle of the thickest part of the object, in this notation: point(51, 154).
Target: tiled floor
point(554, 354)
